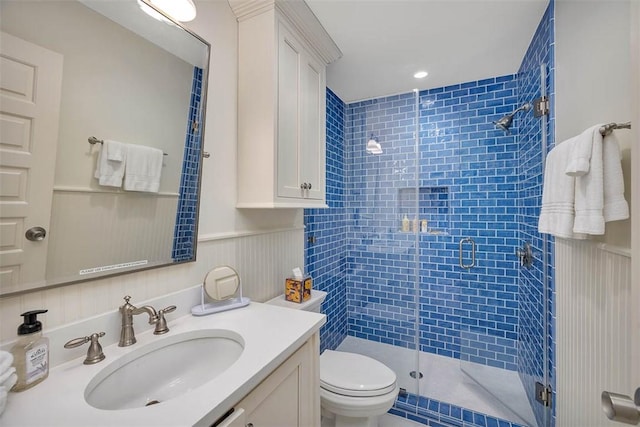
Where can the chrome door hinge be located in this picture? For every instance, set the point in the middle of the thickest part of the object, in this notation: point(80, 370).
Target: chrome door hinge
point(541, 106)
point(544, 394)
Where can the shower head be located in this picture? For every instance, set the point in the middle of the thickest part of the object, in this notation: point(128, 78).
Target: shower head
point(505, 122)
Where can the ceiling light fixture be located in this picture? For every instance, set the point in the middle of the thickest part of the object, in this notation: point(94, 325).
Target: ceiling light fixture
point(420, 74)
point(373, 146)
point(180, 10)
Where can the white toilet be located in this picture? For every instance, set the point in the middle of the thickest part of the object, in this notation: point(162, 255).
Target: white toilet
point(354, 389)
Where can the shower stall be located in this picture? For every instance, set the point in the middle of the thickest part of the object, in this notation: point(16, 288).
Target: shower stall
point(429, 250)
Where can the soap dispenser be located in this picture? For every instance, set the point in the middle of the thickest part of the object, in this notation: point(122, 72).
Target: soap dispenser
point(31, 352)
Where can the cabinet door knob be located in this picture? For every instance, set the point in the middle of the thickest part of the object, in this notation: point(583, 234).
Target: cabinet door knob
point(309, 186)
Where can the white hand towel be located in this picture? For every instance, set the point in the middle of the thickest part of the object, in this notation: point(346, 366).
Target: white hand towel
point(580, 158)
point(6, 377)
point(6, 360)
point(615, 205)
point(3, 398)
point(143, 168)
point(557, 214)
point(116, 151)
point(589, 193)
point(111, 164)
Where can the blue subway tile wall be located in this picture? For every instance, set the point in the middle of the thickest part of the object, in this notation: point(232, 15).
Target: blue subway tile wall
point(186, 218)
point(325, 257)
point(531, 297)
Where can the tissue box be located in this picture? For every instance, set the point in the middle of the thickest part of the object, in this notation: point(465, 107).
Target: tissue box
point(297, 290)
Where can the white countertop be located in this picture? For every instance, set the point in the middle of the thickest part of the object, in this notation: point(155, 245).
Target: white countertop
point(270, 333)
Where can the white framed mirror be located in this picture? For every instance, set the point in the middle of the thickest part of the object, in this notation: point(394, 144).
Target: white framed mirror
point(74, 70)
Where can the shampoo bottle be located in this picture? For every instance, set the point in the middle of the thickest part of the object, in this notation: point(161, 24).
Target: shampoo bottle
point(405, 223)
point(31, 352)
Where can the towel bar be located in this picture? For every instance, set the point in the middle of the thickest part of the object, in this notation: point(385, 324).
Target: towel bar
point(93, 140)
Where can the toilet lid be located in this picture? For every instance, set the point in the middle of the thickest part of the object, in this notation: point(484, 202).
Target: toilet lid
point(356, 375)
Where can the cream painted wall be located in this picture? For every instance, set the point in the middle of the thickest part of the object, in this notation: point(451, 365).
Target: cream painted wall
point(593, 80)
point(263, 244)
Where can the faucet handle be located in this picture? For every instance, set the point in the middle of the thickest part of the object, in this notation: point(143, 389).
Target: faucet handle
point(94, 353)
point(161, 324)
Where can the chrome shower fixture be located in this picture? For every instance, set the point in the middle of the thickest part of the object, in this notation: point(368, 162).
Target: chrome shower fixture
point(505, 122)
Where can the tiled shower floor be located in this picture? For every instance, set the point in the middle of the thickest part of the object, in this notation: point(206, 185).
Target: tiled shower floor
point(444, 380)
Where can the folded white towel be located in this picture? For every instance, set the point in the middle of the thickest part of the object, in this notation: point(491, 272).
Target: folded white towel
point(6, 377)
point(116, 151)
point(580, 158)
point(589, 193)
point(143, 168)
point(111, 163)
point(6, 360)
point(615, 205)
point(557, 213)
point(3, 398)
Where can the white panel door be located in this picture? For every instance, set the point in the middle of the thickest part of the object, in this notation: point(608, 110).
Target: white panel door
point(30, 86)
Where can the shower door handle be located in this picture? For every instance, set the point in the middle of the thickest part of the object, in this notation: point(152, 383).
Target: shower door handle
point(473, 253)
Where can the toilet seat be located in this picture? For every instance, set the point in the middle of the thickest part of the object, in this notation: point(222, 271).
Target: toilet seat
point(355, 375)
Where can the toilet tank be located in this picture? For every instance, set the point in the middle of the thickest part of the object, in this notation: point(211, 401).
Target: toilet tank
point(312, 304)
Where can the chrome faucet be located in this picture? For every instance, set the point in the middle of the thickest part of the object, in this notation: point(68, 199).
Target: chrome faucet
point(127, 311)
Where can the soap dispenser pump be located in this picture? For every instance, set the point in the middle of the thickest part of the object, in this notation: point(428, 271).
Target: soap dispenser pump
point(31, 352)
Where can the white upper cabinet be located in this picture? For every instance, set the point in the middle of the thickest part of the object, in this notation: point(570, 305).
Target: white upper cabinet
point(283, 52)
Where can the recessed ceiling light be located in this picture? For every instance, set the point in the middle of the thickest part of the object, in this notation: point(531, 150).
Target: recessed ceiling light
point(420, 74)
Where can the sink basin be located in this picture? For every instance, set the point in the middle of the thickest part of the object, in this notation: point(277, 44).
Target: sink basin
point(164, 369)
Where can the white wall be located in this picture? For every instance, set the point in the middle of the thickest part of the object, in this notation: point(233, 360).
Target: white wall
point(263, 244)
point(594, 306)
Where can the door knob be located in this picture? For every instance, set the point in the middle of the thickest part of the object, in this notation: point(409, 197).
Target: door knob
point(35, 234)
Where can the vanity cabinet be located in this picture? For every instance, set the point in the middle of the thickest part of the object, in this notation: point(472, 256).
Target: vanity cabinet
point(289, 396)
point(282, 56)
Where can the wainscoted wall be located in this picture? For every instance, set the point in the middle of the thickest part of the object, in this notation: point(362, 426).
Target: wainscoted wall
point(144, 221)
point(533, 330)
point(263, 260)
point(594, 311)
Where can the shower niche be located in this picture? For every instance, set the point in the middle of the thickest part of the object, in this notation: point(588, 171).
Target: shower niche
point(432, 207)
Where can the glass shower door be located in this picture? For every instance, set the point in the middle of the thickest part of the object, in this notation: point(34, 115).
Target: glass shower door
point(503, 339)
point(382, 213)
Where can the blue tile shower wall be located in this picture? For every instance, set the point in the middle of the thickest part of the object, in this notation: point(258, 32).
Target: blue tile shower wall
point(531, 297)
point(186, 224)
point(325, 259)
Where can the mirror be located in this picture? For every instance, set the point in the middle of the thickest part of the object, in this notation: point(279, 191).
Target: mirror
point(72, 70)
point(221, 291)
